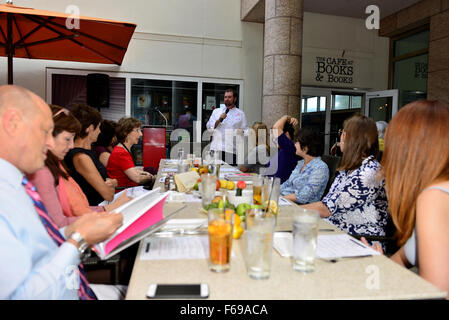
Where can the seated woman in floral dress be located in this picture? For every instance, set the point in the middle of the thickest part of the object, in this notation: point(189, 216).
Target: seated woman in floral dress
point(309, 179)
point(357, 201)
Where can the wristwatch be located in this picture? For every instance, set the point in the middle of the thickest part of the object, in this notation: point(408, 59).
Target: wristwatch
point(82, 244)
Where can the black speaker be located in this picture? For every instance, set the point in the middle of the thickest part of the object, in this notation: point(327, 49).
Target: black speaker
point(98, 90)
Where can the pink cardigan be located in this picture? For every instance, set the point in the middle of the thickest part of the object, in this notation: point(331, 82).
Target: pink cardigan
point(44, 182)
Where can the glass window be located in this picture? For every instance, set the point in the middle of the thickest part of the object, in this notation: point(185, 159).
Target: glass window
point(341, 102)
point(409, 67)
point(312, 104)
point(412, 43)
point(356, 102)
point(322, 103)
point(163, 102)
point(213, 97)
point(410, 77)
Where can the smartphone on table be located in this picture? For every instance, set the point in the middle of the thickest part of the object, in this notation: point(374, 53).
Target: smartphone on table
point(172, 291)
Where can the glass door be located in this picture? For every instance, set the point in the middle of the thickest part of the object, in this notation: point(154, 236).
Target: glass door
point(345, 103)
point(325, 110)
point(315, 112)
point(381, 105)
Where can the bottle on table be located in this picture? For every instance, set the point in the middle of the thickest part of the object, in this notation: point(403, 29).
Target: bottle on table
point(167, 182)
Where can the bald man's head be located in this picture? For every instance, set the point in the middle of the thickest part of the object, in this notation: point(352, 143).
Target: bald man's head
point(25, 128)
point(21, 99)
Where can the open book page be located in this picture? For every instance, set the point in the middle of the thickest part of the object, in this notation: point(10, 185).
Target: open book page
point(133, 192)
point(139, 236)
point(328, 246)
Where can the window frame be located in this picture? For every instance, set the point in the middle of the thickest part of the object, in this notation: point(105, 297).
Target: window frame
point(148, 76)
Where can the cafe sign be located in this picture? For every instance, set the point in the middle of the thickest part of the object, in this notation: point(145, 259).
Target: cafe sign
point(334, 70)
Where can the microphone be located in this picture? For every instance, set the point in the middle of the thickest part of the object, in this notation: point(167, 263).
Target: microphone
point(227, 110)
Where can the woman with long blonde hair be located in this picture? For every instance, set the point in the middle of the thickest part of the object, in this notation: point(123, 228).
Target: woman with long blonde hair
point(416, 168)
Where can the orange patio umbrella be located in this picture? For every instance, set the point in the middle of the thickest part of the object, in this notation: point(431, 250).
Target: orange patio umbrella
point(37, 34)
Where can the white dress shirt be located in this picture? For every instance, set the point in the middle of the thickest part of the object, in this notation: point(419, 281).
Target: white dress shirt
point(223, 135)
point(32, 265)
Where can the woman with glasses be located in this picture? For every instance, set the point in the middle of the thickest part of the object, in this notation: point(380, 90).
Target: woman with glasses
point(356, 201)
point(61, 195)
point(121, 164)
point(309, 179)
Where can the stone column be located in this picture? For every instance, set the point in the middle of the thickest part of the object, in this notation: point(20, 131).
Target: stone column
point(282, 59)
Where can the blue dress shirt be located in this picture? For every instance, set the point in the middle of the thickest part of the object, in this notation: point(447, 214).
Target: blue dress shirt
point(32, 266)
point(308, 185)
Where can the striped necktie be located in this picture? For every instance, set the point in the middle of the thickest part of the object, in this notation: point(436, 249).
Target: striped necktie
point(84, 291)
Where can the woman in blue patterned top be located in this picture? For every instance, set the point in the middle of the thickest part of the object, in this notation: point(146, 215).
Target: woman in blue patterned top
point(357, 202)
point(309, 179)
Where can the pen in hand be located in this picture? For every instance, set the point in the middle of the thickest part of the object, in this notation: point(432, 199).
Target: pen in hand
point(357, 243)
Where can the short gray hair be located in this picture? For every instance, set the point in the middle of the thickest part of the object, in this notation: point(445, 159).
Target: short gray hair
point(381, 127)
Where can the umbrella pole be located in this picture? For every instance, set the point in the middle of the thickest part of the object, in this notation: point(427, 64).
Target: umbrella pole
point(9, 48)
point(10, 81)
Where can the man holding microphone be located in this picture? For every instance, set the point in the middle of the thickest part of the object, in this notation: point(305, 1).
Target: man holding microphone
point(227, 123)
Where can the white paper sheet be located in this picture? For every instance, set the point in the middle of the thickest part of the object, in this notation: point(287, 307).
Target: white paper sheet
point(170, 170)
point(229, 169)
point(328, 246)
point(192, 198)
point(171, 161)
point(184, 223)
point(183, 197)
point(175, 248)
point(284, 202)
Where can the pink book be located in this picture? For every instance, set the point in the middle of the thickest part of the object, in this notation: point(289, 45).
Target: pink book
point(141, 216)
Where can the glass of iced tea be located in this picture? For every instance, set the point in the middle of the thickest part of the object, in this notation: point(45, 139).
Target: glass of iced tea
point(220, 227)
point(257, 189)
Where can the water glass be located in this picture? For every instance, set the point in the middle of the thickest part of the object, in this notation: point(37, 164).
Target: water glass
point(180, 154)
point(183, 166)
point(259, 233)
point(305, 231)
point(215, 169)
point(208, 187)
point(220, 225)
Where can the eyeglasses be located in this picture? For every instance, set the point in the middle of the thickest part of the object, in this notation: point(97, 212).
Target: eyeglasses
point(63, 110)
point(137, 130)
